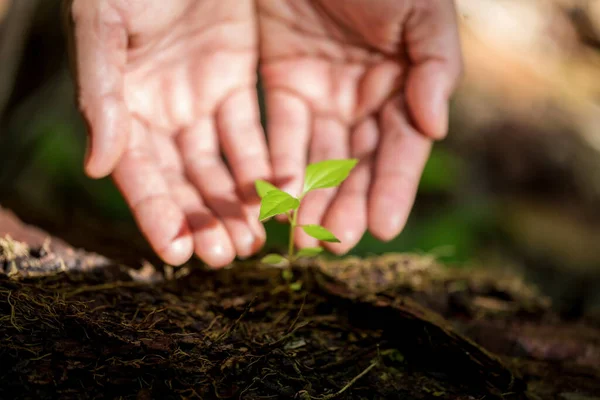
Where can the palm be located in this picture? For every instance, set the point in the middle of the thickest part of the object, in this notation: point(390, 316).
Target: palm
point(334, 71)
point(334, 67)
point(188, 91)
point(167, 86)
point(189, 63)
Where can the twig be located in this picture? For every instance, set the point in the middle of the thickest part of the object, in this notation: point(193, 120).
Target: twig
point(236, 322)
point(295, 321)
point(104, 286)
point(286, 336)
point(348, 385)
point(13, 319)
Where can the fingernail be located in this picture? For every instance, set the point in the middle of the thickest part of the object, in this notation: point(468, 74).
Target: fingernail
point(217, 251)
point(245, 244)
point(179, 251)
point(337, 248)
point(218, 254)
point(350, 238)
point(393, 226)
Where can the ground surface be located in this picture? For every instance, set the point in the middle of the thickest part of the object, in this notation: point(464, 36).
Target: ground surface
point(76, 325)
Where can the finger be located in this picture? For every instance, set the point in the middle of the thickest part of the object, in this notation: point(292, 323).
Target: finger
point(100, 56)
point(433, 46)
point(160, 219)
point(329, 141)
point(346, 218)
point(206, 170)
point(376, 85)
point(211, 240)
point(401, 157)
point(288, 129)
point(243, 141)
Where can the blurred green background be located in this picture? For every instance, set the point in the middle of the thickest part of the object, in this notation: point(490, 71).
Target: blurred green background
point(516, 185)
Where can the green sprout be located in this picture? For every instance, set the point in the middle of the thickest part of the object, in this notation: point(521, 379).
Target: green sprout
point(321, 175)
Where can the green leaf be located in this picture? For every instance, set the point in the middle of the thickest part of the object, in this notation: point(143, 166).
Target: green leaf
point(274, 259)
point(277, 202)
point(326, 174)
point(309, 251)
point(287, 275)
point(263, 187)
point(318, 232)
point(296, 286)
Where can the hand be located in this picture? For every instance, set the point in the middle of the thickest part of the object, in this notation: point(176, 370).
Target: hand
point(165, 86)
point(357, 78)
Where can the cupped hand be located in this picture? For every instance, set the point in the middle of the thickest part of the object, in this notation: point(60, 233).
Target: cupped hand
point(166, 87)
point(357, 78)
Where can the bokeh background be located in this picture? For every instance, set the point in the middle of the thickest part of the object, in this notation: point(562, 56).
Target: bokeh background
point(515, 186)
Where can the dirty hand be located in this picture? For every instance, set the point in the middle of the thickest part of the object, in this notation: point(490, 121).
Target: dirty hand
point(357, 78)
point(165, 87)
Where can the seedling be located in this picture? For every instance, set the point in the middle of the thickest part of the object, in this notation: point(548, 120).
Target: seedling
point(321, 175)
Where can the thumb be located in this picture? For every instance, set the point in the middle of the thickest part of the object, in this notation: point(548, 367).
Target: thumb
point(99, 46)
point(433, 47)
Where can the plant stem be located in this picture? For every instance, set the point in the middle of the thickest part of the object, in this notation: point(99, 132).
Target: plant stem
point(293, 224)
point(292, 230)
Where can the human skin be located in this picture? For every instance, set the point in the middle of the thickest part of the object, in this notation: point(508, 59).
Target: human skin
point(363, 79)
point(166, 87)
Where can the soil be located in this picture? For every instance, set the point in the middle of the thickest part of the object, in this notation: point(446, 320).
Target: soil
point(79, 325)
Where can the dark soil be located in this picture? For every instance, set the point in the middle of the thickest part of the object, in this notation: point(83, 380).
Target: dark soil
point(76, 325)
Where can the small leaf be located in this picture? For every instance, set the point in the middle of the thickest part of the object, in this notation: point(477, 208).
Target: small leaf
point(326, 174)
point(309, 251)
point(287, 275)
point(277, 202)
point(318, 232)
point(296, 286)
point(274, 259)
point(263, 187)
